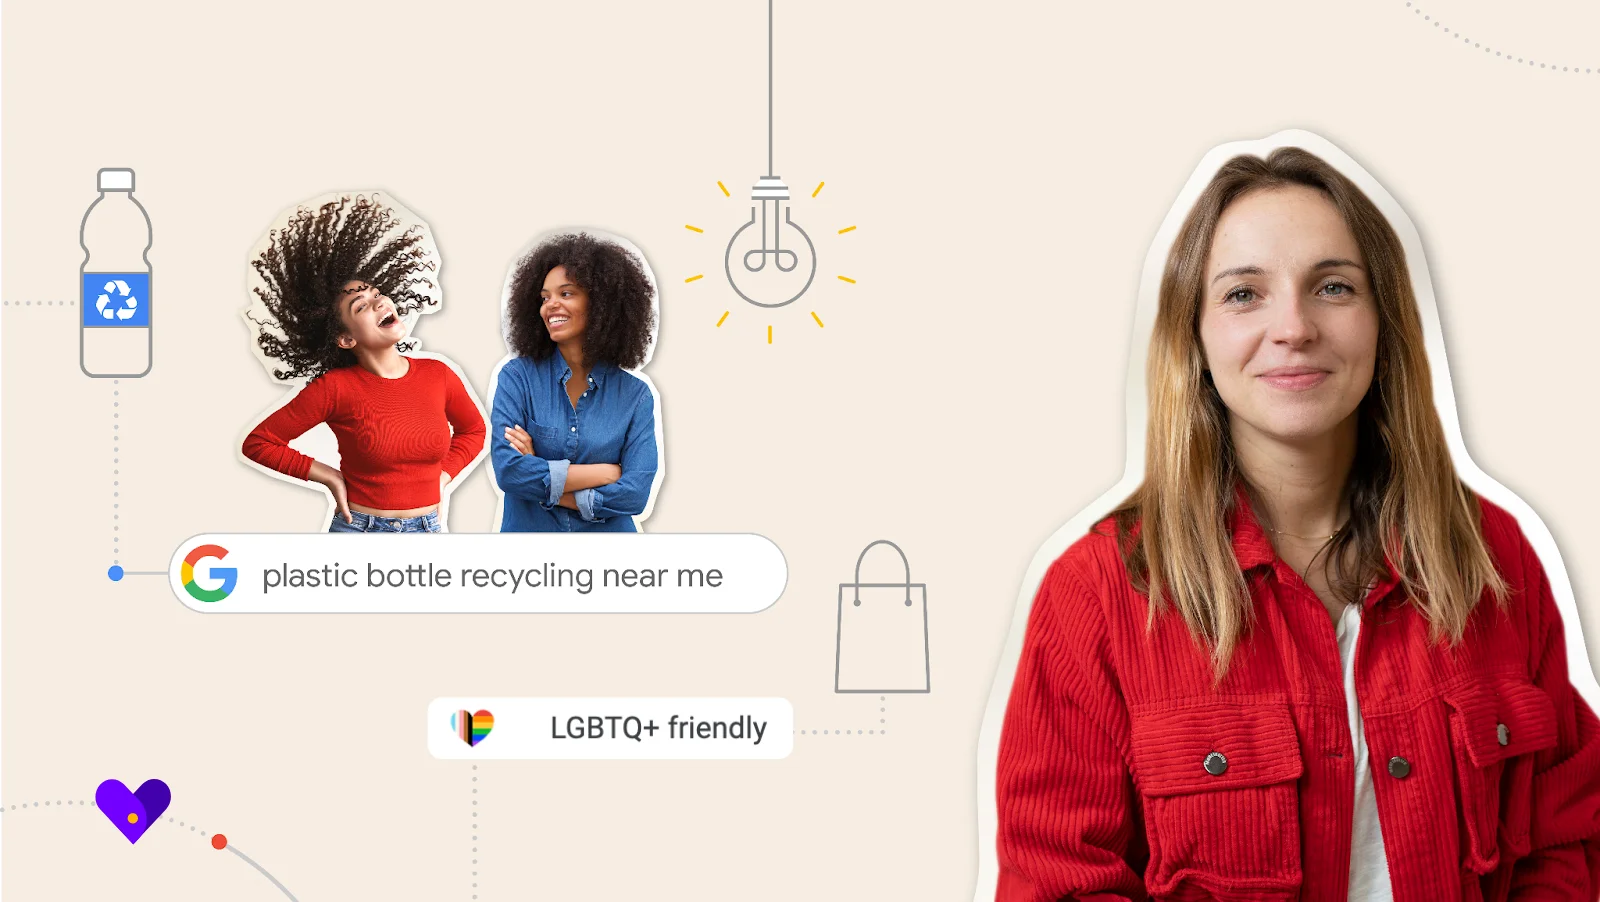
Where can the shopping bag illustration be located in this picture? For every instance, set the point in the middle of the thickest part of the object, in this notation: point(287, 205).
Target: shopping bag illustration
point(882, 643)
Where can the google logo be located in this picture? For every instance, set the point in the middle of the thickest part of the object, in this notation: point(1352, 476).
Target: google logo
point(228, 575)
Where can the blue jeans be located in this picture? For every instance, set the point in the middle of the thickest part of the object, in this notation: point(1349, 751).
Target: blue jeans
point(369, 523)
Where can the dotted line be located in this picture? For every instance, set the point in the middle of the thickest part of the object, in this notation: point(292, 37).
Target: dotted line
point(82, 804)
point(882, 709)
point(38, 303)
point(116, 471)
point(1505, 55)
point(192, 829)
point(59, 804)
point(474, 835)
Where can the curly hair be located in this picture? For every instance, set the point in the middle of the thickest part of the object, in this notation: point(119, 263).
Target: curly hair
point(620, 314)
point(307, 263)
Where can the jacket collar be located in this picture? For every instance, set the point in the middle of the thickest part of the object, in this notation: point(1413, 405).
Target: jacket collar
point(1253, 548)
point(1250, 543)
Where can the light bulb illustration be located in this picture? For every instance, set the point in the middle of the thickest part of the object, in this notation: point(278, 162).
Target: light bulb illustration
point(770, 259)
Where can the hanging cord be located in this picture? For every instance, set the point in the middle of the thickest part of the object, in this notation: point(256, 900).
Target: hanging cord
point(769, 87)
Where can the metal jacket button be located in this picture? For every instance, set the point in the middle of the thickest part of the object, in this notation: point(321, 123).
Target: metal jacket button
point(1216, 764)
point(1502, 734)
point(1399, 768)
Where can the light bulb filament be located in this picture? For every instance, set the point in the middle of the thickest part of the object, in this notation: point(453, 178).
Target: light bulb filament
point(779, 254)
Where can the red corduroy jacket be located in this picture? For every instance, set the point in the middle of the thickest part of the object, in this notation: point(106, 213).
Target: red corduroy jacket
point(1485, 761)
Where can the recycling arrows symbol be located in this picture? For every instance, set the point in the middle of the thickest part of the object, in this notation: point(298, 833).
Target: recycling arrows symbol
point(128, 303)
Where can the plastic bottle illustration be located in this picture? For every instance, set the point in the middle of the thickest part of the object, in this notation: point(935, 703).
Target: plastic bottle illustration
point(114, 337)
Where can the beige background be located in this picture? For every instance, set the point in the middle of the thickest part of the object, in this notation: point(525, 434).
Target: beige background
point(1006, 166)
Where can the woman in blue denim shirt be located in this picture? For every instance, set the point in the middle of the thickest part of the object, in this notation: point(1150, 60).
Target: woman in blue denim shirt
point(573, 434)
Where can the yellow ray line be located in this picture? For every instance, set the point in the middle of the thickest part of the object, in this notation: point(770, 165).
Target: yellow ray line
point(769, 335)
point(724, 189)
point(817, 318)
point(841, 231)
point(847, 279)
point(694, 229)
point(724, 318)
point(819, 188)
point(692, 278)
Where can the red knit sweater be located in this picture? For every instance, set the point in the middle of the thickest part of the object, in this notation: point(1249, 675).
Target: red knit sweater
point(1485, 761)
point(395, 435)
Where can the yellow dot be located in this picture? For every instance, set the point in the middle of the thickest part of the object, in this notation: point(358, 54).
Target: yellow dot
point(133, 818)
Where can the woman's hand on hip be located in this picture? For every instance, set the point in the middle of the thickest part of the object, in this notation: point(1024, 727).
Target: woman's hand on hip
point(325, 475)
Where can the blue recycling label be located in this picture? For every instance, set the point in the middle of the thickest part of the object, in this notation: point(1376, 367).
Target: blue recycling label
point(115, 299)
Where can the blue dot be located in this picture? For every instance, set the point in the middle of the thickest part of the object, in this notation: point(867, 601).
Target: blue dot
point(115, 573)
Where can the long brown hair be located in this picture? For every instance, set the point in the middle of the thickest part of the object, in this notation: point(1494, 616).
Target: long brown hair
point(1405, 499)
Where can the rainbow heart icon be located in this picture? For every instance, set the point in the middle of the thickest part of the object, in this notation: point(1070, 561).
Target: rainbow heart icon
point(132, 811)
point(471, 727)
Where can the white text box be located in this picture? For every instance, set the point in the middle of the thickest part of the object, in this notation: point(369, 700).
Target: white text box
point(611, 728)
point(711, 573)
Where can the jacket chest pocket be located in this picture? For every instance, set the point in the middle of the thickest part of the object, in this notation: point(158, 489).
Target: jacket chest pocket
point(1496, 725)
point(1218, 781)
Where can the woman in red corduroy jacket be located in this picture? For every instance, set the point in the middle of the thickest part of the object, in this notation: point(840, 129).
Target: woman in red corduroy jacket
point(1303, 660)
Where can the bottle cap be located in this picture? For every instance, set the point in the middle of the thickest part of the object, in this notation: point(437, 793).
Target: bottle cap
point(116, 180)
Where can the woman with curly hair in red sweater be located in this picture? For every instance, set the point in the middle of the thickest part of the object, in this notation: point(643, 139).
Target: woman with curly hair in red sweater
point(338, 282)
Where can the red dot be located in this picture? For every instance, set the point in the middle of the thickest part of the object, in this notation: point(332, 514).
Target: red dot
point(219, 842)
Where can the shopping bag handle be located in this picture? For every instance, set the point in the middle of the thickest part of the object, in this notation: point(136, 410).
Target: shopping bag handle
point(902, 560)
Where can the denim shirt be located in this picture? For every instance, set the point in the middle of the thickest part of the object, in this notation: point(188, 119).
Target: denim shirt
point(614, 423)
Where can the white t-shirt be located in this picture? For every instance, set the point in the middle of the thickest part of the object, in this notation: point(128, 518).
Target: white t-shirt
point(1369, 868)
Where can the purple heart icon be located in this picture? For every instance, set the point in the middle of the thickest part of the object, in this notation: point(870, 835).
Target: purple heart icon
point(132, 812)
